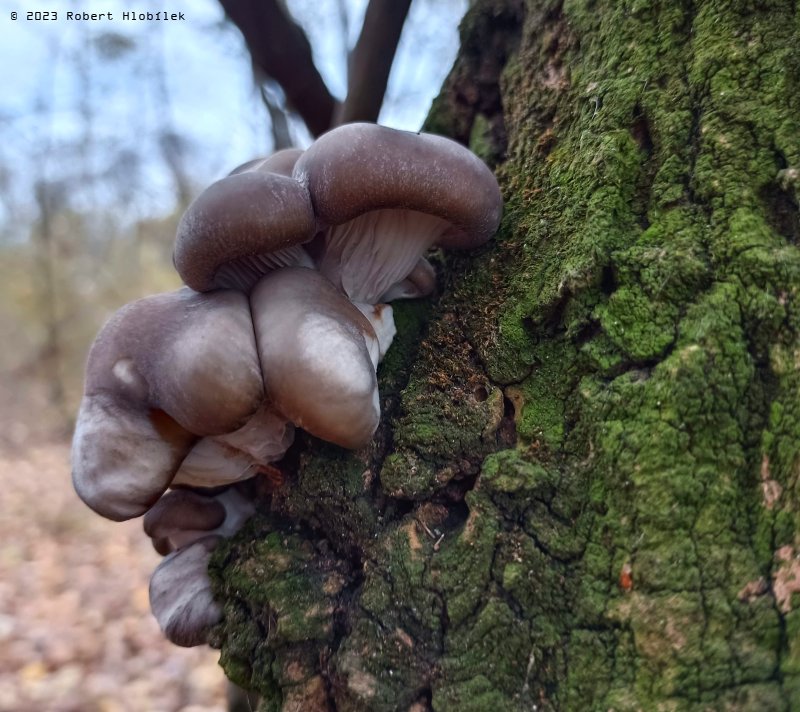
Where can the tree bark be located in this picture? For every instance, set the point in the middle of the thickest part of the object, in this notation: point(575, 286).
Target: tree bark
point(584, 493)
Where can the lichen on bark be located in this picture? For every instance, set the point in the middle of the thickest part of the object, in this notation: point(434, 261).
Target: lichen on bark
point(584, 494)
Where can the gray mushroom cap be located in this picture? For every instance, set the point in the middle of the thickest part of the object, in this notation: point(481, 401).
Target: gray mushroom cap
point(318, 354)
point(187, 525)
point(162, 372)
point(180, 594)
point(243, 226)
point(182, 516)
point(281, 162)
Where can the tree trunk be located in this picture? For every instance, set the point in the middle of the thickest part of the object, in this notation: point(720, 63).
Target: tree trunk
point(584, 494)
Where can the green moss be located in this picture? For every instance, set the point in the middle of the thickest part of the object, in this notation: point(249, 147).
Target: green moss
point(491, 661)
point(479, 139)
point(280, 597)
point(410, 318)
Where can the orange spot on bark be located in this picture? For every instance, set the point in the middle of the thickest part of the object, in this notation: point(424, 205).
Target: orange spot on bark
point(626, 578)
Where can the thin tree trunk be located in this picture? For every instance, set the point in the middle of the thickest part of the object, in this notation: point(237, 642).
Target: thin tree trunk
point(584, 493)
point(280, 49)
point(371, 60)
point(50, 355)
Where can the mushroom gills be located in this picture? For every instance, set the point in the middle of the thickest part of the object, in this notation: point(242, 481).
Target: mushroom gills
point(243, 273)
point(370, 254)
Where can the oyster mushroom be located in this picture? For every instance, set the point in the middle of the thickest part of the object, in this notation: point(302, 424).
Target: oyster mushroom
point(163, 372)
point(186, 526)
point(245, 225)
point(318, 354)
point(372, 198)
point(183, 516)
point(383, 197)
point(180, 594)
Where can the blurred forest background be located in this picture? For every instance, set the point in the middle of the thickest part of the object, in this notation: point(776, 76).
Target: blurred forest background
point(108, 129)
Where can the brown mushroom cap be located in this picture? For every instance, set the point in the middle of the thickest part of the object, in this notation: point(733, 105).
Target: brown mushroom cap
point(163, 371)
point(183, 516)
point(361, 167)
point(317, 354)
point(241, 227)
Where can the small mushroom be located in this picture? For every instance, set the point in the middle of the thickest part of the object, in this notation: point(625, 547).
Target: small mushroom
point(183, 516)
point(180, 518)
point(164, 371)
point(187, 525)
point(180, 594)
point(382, 197)
point(318, 355)
point(245, 225)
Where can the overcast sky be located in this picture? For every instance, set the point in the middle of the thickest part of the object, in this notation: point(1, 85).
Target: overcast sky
point(72, 96)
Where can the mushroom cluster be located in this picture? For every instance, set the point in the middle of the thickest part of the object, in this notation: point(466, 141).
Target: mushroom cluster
point(289, 263)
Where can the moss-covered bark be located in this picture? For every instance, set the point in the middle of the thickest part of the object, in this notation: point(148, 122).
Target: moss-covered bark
point(585, 492)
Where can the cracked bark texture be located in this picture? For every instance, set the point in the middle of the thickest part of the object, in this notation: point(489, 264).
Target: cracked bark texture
point(584, 493)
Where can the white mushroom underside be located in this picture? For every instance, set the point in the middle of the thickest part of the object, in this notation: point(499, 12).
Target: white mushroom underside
point(375, 251)
point(243, 273)
point(238, 455)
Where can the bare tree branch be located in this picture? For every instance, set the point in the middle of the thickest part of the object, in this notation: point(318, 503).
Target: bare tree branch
point(344, 25)
point(371, 60)
point(281, 135)
point(280, 48)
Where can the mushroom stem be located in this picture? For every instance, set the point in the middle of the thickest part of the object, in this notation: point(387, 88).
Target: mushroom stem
point(420, 282)
point(381, 316)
